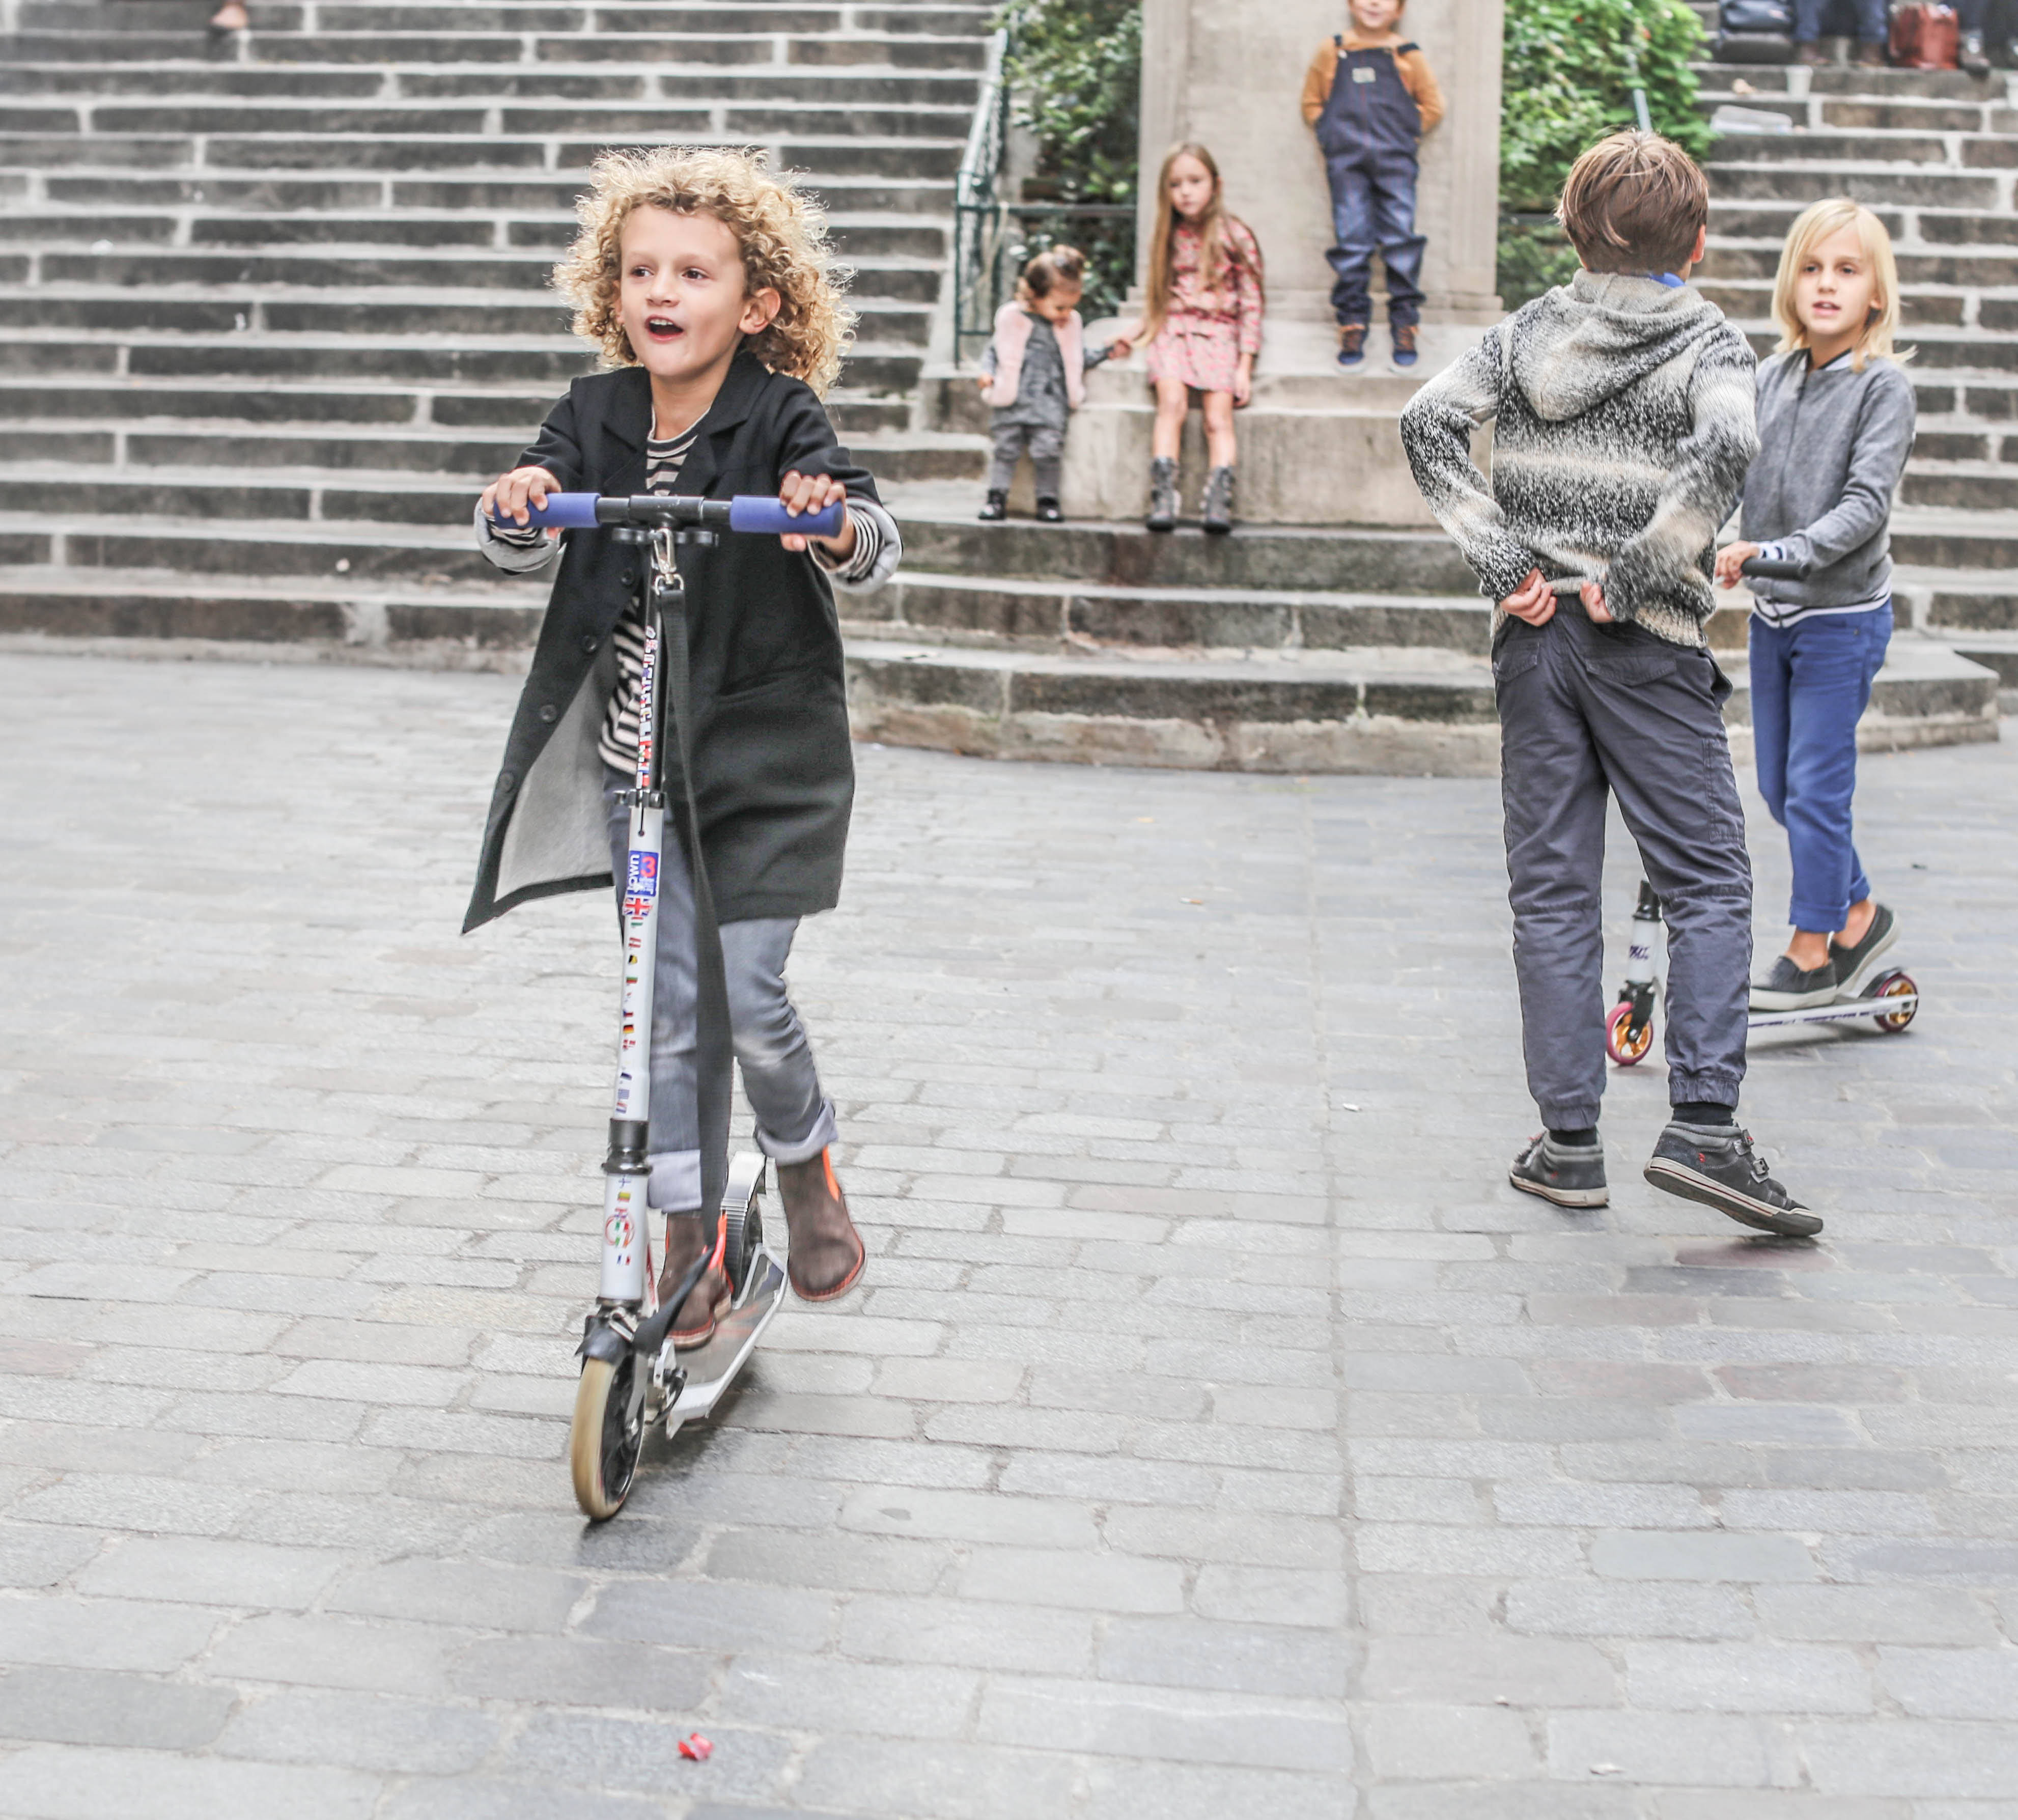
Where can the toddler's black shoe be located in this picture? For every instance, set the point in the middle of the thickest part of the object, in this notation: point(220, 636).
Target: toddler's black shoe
point(1853, 962)
point(1716, 1165)
point(996, 508)
point(1572, 1175)
point(1788, 988)
point(1049, 511)
point(1352, 344)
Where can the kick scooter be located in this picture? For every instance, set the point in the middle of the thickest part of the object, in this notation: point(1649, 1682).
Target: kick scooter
point(1890, 1001)
point(630, 1375)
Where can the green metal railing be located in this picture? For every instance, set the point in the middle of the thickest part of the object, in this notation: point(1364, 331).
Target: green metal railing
point(994, 237)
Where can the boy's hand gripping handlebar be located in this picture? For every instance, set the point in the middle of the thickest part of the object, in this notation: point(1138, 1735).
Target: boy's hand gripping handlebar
point(748, 511)
point(1564, 587)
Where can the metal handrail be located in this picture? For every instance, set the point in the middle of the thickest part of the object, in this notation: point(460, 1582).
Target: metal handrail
point(977, 222)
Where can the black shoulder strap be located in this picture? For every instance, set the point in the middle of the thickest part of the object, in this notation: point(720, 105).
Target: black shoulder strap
point(1401, 50)
point(1338, 43)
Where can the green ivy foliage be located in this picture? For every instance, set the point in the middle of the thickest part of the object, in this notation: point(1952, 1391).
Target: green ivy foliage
point(1075, 68)
point(1568, 82)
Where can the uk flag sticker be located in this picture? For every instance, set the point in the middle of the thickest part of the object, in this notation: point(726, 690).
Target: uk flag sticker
point(642, 885)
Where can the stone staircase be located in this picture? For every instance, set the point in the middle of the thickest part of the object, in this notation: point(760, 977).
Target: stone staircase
point(1363, 649)
point(1936, 154)
point(273, 304)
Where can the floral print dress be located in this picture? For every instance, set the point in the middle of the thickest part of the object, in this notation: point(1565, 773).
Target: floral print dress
point(1209, 325)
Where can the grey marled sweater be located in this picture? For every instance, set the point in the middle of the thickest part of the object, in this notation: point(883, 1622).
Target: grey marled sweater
point(1622, 425)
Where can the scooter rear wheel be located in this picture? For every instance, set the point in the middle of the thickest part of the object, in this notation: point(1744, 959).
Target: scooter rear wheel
point(1620, 1043)
point(604, 1443)
point(1894, 985)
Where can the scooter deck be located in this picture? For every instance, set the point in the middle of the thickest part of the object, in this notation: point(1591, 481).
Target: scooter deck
point(711, 1369)
point(1836, 1010)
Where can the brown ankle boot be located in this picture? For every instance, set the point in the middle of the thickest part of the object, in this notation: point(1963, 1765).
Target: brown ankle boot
point(688, 1237)
point(826, 1252)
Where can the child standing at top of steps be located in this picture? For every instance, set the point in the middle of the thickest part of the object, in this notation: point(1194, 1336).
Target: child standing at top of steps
point(704, 283)
point(1835, 425)
point(1033, 375)
point(1203, 326)
point(1622, 408)
point(1370, 96)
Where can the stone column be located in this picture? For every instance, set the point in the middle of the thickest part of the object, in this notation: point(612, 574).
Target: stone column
point(1230, 76)
point(1317, 445)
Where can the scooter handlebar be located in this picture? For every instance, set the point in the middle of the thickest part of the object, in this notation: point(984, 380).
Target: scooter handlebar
point(1771, 571)
point(758, 512)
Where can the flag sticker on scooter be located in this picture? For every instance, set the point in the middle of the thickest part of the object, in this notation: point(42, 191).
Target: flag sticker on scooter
point(642, 884)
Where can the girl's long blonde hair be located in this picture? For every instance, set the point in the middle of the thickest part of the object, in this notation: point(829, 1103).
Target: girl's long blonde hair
point(1816, 223)
point(1212, 241)
point(781, 231)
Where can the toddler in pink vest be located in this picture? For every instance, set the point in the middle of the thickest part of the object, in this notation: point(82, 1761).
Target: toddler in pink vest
point(1034, 375)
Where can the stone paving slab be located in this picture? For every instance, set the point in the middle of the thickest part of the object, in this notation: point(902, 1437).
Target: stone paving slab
point(1216, 1430)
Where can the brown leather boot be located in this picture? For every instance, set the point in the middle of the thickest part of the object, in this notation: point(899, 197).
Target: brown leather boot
point(688, 1237)
point(826, 1252)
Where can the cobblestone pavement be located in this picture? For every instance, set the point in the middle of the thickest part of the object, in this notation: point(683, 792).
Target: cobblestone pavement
point(1217, 1433)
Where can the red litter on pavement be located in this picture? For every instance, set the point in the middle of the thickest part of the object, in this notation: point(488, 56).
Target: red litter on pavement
point(696, 1749)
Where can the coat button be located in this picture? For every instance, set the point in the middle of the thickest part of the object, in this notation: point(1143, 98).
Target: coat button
point(629, 578)
point(507, 781)
point(590, 642)
point(549, 713)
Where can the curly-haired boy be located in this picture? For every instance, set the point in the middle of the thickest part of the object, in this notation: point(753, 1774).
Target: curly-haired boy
point(1622, 408)
point(705, 283)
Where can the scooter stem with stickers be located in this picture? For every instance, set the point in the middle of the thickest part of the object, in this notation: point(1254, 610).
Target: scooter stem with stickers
point(630, 1375)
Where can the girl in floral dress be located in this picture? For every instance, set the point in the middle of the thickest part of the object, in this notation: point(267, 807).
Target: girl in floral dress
point(1203, 328)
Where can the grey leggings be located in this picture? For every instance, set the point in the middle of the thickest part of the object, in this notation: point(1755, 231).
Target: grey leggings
point(1047, 443)
point(794, 1118)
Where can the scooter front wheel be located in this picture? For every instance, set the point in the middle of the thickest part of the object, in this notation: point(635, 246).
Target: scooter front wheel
point(1621, 1043)
point(604, 1441)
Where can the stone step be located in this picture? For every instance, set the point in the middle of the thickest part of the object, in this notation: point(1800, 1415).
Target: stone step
point(231, 155)
point(876, 282)
point(886, 326)
point(942, 538)
point(1934, 537)
point(1736, 178)
point(342, 448)
point(1979, 487)
point(1732, 222)
point(990, 611)
point(530, 193)
point(1985, 269)
point(831, 105)
point(1769, 80)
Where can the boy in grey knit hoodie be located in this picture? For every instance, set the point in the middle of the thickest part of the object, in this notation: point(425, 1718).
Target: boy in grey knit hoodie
point(1621, 407)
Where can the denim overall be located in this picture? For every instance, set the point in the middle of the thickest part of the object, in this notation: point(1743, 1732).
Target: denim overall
point(1368, 133)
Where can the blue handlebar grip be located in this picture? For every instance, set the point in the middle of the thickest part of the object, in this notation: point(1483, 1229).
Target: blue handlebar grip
point(562, 512)
point(759, 512)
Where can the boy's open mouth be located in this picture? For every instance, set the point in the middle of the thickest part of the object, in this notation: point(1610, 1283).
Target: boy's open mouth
point(662, 328)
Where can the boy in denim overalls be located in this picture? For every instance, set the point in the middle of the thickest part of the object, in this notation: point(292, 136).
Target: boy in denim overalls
point(1371, 97)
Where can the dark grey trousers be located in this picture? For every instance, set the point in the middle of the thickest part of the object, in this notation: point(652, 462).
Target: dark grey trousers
point(1584, 709)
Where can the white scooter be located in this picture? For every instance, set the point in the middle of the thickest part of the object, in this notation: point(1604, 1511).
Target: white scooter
point(630, 1375)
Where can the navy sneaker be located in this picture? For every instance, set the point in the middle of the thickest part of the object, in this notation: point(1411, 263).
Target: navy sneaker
point(1853, 962)
point(1572, 1175)
point(1352, 344)
point(1716, 1165)
point(1404, 344)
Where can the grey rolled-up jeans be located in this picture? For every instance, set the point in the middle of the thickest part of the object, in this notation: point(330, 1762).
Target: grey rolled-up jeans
point(794, 1118)
point(1584, 709)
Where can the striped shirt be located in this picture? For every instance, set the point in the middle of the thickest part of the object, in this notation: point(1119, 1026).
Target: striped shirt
point(872, 560)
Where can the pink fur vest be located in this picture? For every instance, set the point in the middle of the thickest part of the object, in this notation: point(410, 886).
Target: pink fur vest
point(1012, 336)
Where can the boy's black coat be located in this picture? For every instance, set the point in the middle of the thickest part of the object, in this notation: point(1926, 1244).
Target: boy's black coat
point(774, 777)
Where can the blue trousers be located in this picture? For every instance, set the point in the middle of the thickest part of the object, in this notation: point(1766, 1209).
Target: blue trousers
point(1810, 681)
point(1373, 210)
point(1872, 20)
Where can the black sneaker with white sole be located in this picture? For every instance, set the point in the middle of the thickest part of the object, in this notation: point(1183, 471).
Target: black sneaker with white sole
point(1853, 962)
point(1789, 988)
point(1716, 1165)
point(1572, 1175)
